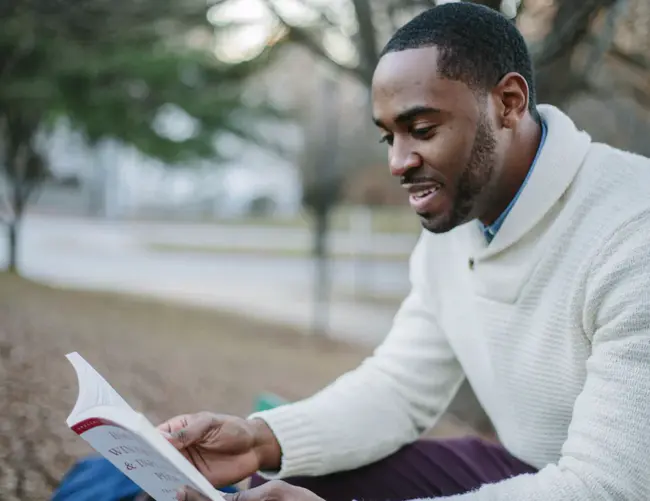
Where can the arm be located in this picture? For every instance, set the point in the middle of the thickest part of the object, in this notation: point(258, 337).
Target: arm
point(606, 456)
point(385, 403)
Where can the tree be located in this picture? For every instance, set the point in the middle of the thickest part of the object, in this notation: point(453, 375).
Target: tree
point(112, 68)
point(321, 191)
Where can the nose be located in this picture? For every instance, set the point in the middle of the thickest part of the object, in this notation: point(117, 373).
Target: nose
point(403, 159)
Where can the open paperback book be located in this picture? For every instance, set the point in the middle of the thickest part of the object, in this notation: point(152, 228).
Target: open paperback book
point(128, 440)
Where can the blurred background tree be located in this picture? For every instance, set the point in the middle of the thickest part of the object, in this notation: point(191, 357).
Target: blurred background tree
point(114, 69)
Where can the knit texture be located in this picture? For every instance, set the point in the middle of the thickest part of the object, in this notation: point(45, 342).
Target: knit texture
point(550, 324)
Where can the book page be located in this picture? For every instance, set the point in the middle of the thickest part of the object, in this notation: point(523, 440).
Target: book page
point(94, 390)
point(137, 459)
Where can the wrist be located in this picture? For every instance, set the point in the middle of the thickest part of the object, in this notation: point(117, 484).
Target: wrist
point(266, 445)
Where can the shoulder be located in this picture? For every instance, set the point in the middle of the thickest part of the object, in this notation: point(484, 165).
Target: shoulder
point(617, 282)
point(616, 173)
point(610, 201)
point(610, 192)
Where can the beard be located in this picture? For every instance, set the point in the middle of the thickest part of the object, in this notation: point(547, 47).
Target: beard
point(473, 181)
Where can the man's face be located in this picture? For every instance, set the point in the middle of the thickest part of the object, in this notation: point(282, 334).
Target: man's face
point(440, 137)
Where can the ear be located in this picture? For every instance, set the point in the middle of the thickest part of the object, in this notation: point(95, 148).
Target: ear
point(511, 96)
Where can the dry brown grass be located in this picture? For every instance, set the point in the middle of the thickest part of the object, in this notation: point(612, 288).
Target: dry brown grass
point(163, 359)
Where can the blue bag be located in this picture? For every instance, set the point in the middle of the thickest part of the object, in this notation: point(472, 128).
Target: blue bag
point(96, 479)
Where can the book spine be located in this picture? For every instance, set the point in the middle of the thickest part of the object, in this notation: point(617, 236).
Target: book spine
point(89, 424)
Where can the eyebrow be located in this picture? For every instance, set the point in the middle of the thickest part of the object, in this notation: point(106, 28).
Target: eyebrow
point(409, 114)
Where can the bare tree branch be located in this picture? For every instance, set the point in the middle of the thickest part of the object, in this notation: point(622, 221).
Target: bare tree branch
point(367, 38)
point(557, 80)
point(640, 63)
point(605, 39)
point(570, 27)
point(303, 37)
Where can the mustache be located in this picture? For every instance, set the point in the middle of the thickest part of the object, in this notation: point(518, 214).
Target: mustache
point(415, 178)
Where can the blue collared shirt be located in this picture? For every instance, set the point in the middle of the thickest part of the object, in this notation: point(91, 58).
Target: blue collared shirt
point(490, 231)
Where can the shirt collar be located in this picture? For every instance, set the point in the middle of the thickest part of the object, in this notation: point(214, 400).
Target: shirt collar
point(491, 230)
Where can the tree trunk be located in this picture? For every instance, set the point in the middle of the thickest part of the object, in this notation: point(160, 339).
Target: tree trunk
point(19, 196)
point(322, 281)
point(367, 39)
point(12, 228)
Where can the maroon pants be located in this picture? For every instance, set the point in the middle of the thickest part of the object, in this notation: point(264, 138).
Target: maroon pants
point(424, 469)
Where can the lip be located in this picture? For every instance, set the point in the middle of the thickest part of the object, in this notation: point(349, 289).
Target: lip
point(422, 195)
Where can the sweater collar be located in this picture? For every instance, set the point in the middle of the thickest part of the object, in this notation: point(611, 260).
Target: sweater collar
point(491, 230)
point(564, 151)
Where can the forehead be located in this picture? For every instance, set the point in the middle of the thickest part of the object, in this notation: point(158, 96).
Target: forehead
point(409, 79)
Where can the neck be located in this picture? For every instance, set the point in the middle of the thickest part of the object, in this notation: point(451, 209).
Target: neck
point(517, 163)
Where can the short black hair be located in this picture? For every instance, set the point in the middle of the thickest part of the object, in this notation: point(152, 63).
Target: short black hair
point(477, 45)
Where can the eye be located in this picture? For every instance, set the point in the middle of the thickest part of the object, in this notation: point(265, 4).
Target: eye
point(423, 132)
point(388, 139)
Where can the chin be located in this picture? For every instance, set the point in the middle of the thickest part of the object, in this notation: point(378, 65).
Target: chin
point(441, 223)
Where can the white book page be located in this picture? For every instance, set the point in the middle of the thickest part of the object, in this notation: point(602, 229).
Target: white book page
point(94, 390)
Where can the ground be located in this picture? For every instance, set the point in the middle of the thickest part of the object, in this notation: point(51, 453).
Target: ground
point(164, 359)
point(384, 219)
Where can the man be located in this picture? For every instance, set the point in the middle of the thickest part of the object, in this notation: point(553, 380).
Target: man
point(531, 280)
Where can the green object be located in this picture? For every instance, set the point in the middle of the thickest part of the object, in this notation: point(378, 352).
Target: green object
point(266, 401)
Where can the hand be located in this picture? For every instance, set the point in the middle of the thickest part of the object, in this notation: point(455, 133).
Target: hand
point(270, 491)
point(225, 449)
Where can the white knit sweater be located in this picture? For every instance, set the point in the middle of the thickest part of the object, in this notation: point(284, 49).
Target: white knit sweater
point(550, 323)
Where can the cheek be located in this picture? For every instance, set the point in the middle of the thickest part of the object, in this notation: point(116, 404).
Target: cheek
point(448, 153)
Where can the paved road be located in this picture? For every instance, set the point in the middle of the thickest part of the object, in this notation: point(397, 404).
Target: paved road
point(111, 256)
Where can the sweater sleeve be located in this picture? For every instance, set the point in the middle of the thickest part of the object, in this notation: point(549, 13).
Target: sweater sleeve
point(606, 456)
point(388, 401)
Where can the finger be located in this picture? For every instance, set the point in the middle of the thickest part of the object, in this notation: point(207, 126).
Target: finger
point(189, 494)
point(274, 489)
point(174, 424)
point(187, 430)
